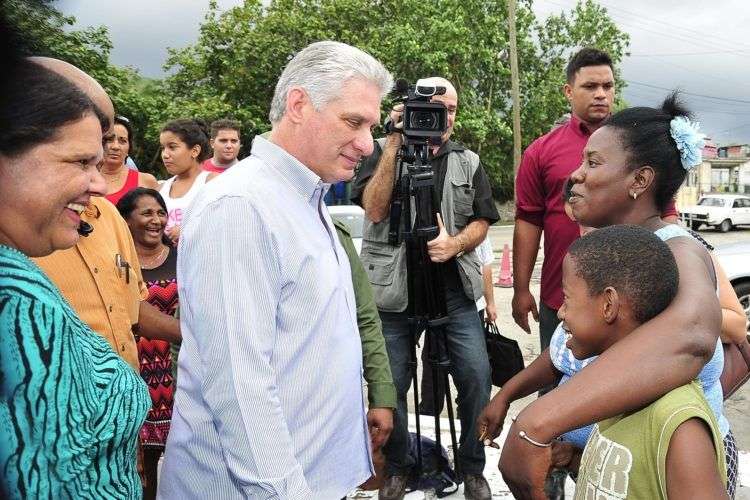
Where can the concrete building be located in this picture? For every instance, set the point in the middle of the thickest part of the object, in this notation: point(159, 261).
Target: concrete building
point(725, 169)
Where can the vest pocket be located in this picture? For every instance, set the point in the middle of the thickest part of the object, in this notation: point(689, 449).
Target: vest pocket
point(463, 203)
point(380, 265)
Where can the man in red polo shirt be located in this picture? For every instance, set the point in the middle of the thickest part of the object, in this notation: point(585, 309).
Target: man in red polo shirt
point(546, 165)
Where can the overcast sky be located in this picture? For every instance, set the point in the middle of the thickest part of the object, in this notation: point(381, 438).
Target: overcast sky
point(701, 47)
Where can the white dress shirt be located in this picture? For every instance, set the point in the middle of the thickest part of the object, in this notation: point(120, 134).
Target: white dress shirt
point(269, 402)
point(486, 258)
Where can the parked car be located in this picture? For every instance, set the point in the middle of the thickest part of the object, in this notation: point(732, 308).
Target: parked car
point(721, 211)
point(735, 259)
point(353, 216)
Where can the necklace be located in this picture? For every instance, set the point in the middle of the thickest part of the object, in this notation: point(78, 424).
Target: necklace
point(113, 178)
point(154, 262)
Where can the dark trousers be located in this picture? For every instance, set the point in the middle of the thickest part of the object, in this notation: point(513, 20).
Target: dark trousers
point(470, 370)
point(547, 323)
point(427, 403)
point(150, 461)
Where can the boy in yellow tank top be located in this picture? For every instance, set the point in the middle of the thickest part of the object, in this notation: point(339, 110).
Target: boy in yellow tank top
point(615, 279)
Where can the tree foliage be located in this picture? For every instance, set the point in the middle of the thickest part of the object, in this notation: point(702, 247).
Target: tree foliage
point(44, 31)
point(232, 69)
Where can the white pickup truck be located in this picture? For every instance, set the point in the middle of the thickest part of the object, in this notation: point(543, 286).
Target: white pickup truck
point(722, 211)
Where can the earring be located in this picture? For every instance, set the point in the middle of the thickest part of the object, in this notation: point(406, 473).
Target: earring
point(634, 195)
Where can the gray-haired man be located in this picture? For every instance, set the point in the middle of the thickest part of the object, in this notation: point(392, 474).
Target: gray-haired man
point(270, 397)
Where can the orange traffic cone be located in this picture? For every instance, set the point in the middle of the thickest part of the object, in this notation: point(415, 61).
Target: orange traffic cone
point(505, 279)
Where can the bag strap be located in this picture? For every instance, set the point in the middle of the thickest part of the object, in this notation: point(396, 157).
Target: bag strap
point(744, 348)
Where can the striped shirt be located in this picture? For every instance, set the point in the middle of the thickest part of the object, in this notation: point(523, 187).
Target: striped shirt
point(270, 401)
point(70, 407)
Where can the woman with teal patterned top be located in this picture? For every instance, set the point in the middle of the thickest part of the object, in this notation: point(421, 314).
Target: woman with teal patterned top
point(70, 408)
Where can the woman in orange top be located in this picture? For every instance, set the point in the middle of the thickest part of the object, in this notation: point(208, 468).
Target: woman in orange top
point(121, 179)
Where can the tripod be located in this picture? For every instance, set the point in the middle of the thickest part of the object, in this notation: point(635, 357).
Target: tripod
point(426, 309)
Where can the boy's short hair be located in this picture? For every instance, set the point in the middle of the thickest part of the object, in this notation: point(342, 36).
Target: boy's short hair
point(632, 260)
point(224, 124)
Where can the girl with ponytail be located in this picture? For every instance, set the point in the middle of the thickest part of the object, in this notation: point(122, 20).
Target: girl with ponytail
point(184, 146)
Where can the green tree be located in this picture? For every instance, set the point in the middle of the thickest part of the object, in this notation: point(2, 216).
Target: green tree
point(233, 67)
point(45, 31)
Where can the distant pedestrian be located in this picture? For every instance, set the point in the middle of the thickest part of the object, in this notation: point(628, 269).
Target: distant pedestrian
point(225, 144)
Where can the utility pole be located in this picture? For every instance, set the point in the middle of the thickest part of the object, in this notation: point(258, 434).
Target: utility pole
point(514, 87)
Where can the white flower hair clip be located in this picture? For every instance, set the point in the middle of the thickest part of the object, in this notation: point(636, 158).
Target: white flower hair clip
point(689, 141)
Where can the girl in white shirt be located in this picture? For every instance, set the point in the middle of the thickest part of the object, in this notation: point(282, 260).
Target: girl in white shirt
point(184, 146)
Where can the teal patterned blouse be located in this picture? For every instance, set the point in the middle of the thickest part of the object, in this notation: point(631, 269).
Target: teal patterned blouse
point(70, 408)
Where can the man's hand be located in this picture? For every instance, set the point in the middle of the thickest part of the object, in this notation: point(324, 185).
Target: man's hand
point(380, 423)
point(565, 455)
point(491, 420)
point(445, 246)
point(523, 303)
point(490, 312)
point(174, 234)
point(396, 116)
point(524, 466)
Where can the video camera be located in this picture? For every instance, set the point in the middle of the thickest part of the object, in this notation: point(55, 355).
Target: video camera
point(423, 121)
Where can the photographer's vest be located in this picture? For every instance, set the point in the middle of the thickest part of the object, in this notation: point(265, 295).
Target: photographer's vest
point(386, 264)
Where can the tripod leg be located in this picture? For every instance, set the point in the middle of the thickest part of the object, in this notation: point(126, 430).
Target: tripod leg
point(415, 385)
point(452, 424)
point(437, 377)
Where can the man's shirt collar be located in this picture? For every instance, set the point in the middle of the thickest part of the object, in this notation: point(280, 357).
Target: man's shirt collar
point(578, 126)
point(448, 147)
point(301, 178)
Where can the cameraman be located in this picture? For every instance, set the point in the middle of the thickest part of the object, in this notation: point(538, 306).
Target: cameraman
point(464, 198)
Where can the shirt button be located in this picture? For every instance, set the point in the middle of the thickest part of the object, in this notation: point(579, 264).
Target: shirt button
point(122, 347)
point(110, 308)
point(96, 270)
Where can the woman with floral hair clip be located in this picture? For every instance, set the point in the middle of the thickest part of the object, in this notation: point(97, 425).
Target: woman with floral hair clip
point(632, 167)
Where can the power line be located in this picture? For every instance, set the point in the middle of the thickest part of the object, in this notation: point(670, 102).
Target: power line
point(733, 128)
point(681, 54)
point(711, 78)
point(640, 16)
point(675, 33)
point(725, 99)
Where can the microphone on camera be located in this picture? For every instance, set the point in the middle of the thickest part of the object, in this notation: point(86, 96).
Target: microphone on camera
point(401, 87)
point(85, 229)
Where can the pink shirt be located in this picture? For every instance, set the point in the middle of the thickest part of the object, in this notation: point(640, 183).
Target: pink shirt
point(546, 165)
point(209, 166)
